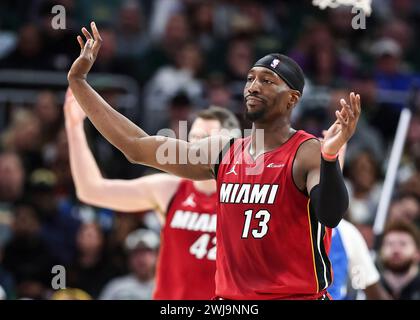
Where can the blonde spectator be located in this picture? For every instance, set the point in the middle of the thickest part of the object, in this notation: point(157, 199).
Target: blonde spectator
point(71, 294)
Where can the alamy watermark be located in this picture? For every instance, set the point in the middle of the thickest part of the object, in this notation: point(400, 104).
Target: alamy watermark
point(58, 281)
point(358, 277)
point(359, 20)
point(207, 151)
point(58, 21)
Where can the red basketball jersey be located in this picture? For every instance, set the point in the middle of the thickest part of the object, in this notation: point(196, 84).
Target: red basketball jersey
point(269, 244)
point(186, 266)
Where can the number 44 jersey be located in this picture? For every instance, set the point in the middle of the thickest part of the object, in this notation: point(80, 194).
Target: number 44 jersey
point(186, 266)
point(269, 244)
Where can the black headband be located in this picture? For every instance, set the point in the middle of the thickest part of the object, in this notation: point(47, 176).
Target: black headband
point(286, 68)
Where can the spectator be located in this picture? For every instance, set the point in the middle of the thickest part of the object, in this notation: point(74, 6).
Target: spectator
point(24, 137)
point(390, 74)
point(406, 208)
point(172, 79)
point(90, 269)
point(180, 109)
point(168, 24)
point(58, 42)
point(320, 57)
point(142, 246)
point(29, 52)
point(201, 16)
point(70, 294)
point(165, 46)
point(399, 254)
point(400, 31)
point(48, 112)
point(26, 255)
point(218, 93)
point(123, 224)
point(133, 40)
point(239, 58)
point(60, 165)
point(108, 61)
point(364, 188)
point(12, 181)
point(57, 229)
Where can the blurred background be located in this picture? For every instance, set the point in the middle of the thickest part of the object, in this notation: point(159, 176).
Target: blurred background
point(160, 62)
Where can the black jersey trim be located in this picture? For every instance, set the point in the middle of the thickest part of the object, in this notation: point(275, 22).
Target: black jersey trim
point(221, 155)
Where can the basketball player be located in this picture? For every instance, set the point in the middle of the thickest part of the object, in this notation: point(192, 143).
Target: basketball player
point(186, 266)
point(273, 228)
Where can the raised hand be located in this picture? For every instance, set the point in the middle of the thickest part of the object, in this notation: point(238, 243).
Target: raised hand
point(73, 113)
point(344, 127)
point(88, 53)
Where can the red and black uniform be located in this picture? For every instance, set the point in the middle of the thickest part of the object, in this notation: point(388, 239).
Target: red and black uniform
point(269, 243)
point(186, 266)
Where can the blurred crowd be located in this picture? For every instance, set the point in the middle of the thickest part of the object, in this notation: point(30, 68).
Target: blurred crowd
point(184, 55)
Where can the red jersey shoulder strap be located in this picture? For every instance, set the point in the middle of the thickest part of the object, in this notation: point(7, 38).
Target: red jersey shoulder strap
point(182, 186)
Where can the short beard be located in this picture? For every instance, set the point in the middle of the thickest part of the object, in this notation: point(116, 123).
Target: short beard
point(255, 116)
point(398, 269)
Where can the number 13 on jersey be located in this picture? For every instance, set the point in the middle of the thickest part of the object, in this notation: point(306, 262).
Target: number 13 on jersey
point(263, 216)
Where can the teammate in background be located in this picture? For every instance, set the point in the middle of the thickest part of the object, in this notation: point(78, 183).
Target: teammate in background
point(273, 227)
point(187, 209)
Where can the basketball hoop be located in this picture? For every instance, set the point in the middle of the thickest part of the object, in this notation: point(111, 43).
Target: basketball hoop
point(364, 5)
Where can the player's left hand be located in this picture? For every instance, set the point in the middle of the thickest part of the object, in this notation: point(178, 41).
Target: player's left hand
point(344, 127)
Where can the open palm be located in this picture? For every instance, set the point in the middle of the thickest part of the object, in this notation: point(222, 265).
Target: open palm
point(344, 127)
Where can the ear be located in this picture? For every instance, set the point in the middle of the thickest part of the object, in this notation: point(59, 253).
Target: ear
point(294, 98)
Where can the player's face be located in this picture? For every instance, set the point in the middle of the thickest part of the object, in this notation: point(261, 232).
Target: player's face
point(399, 251)
point(202, 128)
point(266, 95)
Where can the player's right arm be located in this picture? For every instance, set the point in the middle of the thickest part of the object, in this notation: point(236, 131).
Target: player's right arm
point(147, 193)
point(131, 140)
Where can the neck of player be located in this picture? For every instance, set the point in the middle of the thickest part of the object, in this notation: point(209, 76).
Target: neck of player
point(273, 135)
